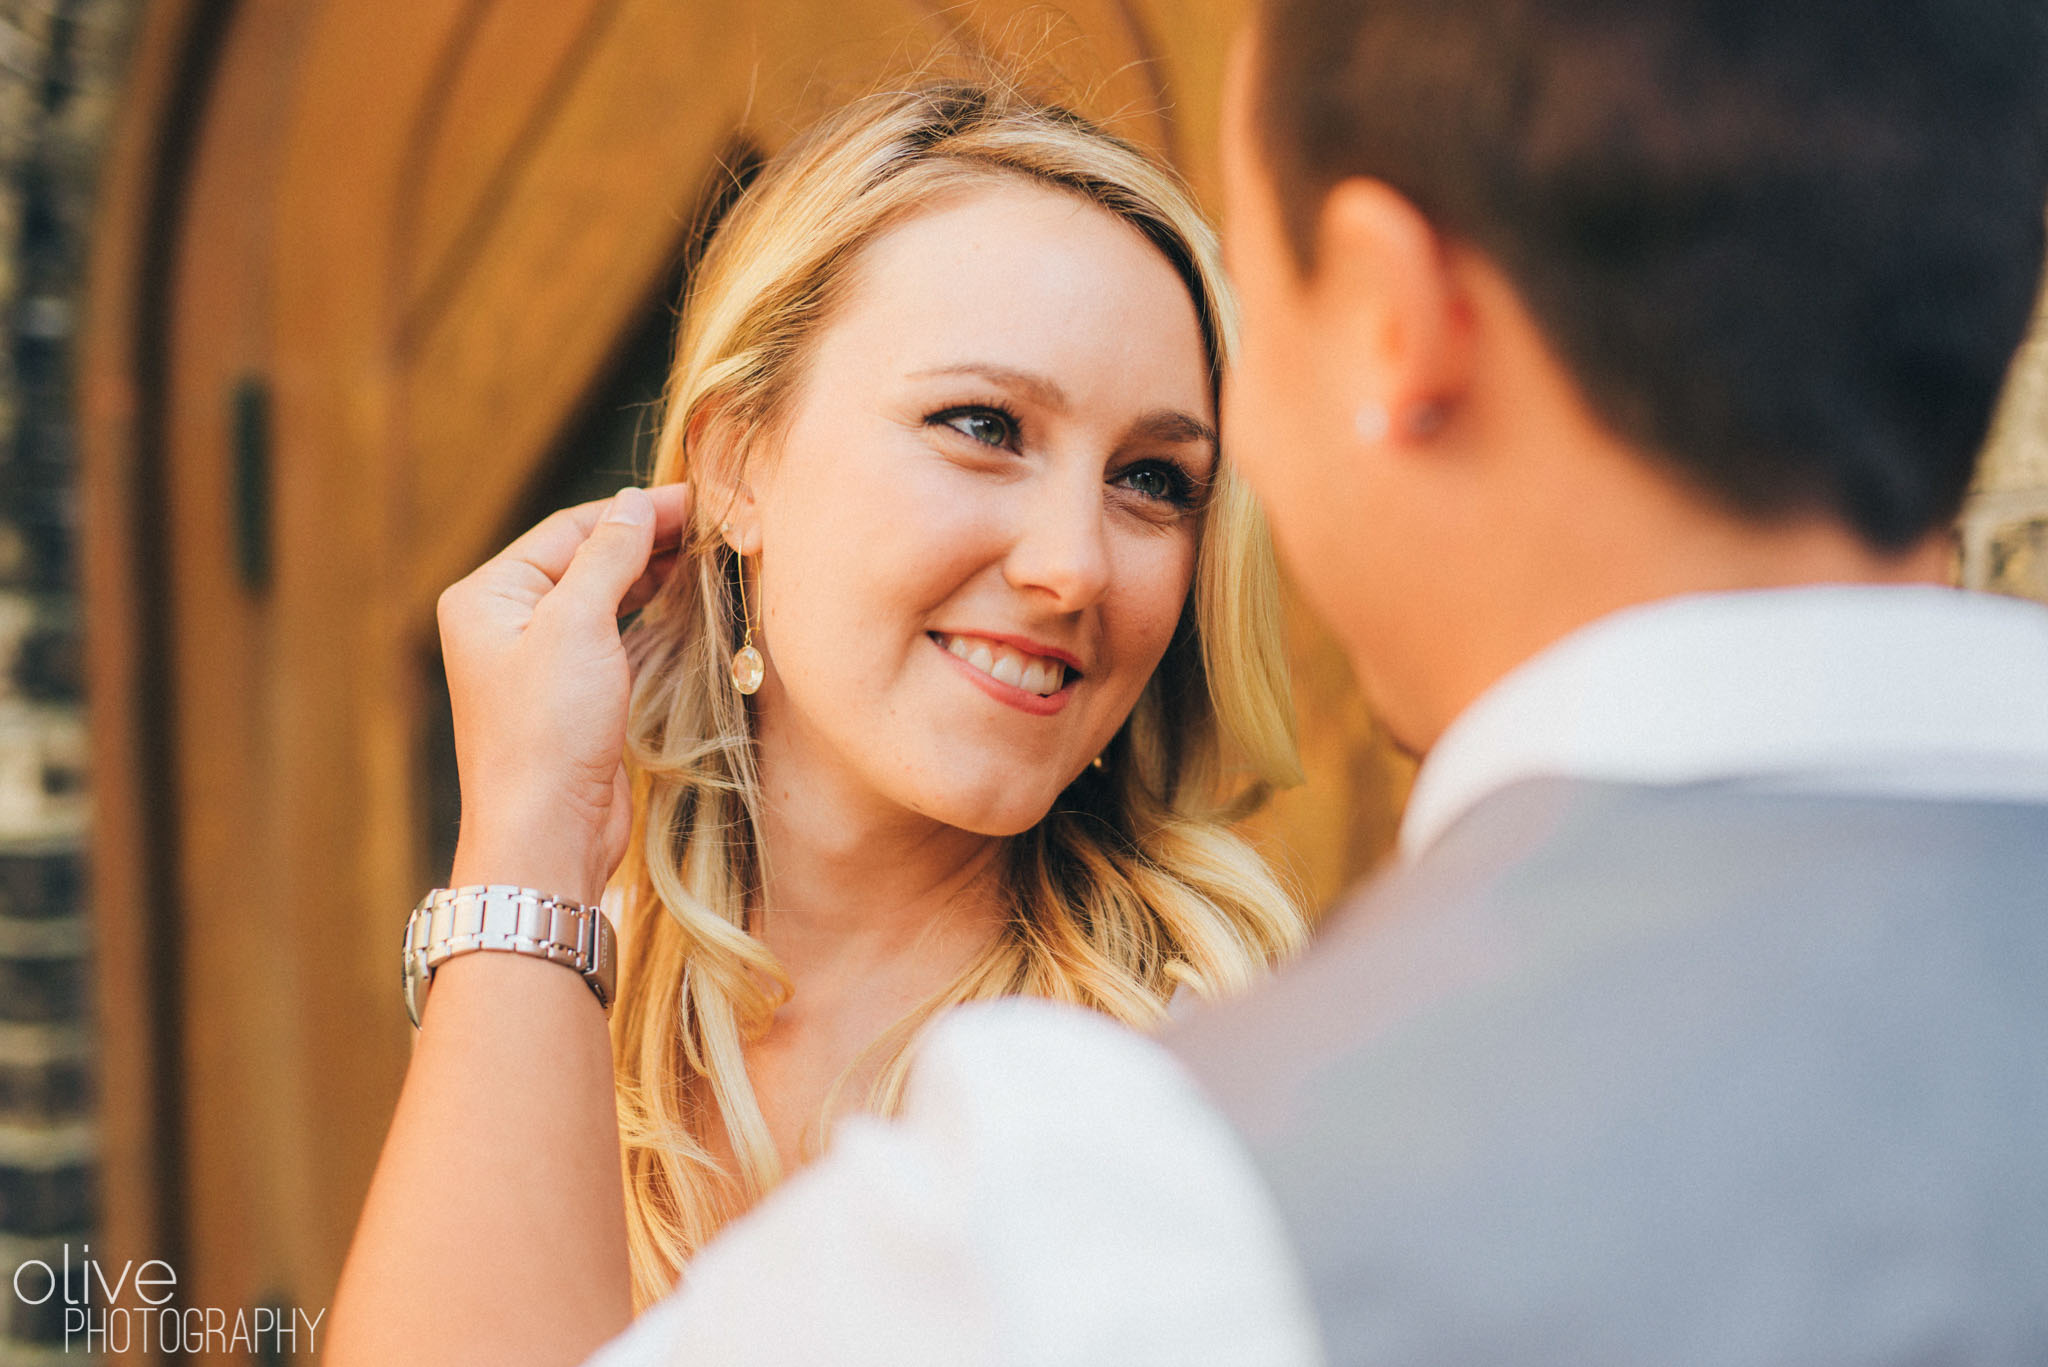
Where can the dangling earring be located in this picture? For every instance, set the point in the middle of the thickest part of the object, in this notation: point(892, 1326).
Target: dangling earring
point(748, 668)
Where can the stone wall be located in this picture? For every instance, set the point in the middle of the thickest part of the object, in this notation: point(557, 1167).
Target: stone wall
point(2005, 529)
point(60, 62)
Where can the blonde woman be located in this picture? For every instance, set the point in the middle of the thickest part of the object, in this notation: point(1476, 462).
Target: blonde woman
point(957, 654)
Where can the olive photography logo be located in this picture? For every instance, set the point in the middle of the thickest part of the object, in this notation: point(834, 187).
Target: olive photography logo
point(132, 1309)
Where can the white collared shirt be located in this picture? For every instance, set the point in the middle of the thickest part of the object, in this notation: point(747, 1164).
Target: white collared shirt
point(1058, 1191)
point(1917, 690)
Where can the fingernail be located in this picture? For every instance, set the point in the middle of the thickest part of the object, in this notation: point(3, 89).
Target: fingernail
point(630, 505)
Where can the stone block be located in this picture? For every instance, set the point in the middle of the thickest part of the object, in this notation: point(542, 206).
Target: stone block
point(48, 884)
point(35, 540)
point(2016, 456)
point(50, 663)
point(23, 1323)
point(17, 552)
point(46, 1092)
point(39, 1200)
point(53, 990)
point(20, 1322)
point(42, 774)
point(41, 656)
point(2016, 559)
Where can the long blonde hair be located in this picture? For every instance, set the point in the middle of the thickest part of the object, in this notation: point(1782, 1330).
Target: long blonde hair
point(1131, 887)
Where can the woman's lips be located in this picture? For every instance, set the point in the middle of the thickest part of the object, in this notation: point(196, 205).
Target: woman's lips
point(1037, 684)
point(1006, 663)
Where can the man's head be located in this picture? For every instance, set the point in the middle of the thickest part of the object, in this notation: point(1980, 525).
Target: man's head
point(1557, 305)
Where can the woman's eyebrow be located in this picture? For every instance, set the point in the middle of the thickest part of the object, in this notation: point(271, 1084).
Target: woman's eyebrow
point(1172, 425)
point(1042, 390)
point(1166, 424)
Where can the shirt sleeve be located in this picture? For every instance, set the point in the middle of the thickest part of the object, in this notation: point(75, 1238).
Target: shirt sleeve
point(1057, 1191)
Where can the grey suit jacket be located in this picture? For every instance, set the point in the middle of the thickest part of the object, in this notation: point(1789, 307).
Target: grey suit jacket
point(1621, 1074)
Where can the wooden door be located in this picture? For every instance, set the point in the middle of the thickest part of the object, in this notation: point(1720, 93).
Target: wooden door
point(363, 268)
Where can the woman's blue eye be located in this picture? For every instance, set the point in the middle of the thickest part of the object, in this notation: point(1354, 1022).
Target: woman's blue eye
point(985, 425)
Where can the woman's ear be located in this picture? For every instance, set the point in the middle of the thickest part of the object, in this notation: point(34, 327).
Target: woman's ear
point(717, 460)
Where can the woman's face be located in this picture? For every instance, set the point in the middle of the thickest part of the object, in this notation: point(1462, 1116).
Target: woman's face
point(977, 527)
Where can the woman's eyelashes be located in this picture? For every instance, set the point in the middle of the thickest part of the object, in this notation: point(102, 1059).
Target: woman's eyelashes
point(990, 424)
point(1162, 481)
point(1157, 480)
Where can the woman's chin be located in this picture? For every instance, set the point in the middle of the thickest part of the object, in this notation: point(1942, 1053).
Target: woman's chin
point(1003, 812)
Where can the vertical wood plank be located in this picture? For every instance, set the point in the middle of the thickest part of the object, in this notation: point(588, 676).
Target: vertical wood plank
point(135, 1190)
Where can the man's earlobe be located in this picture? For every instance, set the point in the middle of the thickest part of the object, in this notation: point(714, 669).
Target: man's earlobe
point(1373, 422)
point(1425, 418)
point(1418, 420)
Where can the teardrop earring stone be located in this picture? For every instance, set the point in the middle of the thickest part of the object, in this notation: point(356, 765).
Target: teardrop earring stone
point(748, 668)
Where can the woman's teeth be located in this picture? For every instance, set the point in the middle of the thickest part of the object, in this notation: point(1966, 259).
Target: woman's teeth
point(1032, 673)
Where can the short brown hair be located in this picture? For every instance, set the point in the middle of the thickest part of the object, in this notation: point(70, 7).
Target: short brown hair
point(1788, 247)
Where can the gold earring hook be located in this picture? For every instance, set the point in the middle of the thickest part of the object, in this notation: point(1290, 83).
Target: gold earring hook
point(748, 668)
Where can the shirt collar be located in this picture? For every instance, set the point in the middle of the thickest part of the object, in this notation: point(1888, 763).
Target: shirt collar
point(1844, 687)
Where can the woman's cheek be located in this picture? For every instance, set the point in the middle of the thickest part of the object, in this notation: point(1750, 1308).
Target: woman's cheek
point(1153, 584)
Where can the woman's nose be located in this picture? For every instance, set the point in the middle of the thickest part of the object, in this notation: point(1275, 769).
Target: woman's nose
point(1062, 550)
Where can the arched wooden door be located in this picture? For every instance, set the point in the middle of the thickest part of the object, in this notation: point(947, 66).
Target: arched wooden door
point(362, 266)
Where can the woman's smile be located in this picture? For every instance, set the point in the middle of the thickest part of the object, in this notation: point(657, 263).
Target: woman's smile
point(1025, 675)
point(1001, 443)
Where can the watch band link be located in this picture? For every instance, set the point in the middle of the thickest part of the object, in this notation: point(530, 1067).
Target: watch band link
point(449, 922)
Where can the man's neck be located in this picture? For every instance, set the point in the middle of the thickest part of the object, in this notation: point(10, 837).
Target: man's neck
point(1643, 540)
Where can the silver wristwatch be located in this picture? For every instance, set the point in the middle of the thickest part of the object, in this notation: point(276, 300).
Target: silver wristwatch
point(453, 921)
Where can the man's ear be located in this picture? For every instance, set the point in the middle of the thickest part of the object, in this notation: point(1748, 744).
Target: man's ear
point(717, 462)
point(1388, 293)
